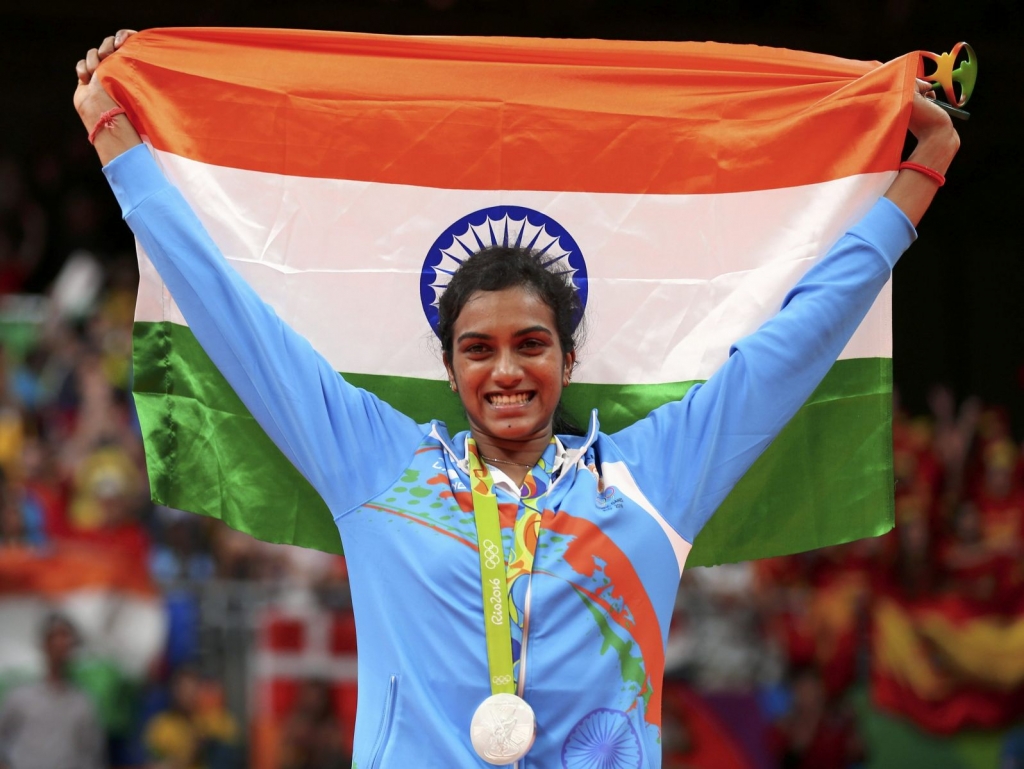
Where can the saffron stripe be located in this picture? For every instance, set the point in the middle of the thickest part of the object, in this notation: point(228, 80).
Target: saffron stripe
point(504, 113)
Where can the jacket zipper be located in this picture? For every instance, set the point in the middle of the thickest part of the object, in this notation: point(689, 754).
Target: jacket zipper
point(385, 722)
point(521, 684)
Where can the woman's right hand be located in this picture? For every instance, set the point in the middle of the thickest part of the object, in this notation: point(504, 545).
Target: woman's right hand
point(89, 95)
point(91, 100)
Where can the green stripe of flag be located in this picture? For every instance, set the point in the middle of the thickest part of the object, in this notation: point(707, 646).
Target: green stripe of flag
point(826, 483)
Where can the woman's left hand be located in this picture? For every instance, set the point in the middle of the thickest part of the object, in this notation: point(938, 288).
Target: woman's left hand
point(932, 126)
point(937, 144)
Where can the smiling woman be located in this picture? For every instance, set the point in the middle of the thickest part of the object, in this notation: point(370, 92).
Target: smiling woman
point(509, 370)
point(515, 574)
point(510, 330)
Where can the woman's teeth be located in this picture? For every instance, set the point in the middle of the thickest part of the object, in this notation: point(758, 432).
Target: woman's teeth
point(516, 399)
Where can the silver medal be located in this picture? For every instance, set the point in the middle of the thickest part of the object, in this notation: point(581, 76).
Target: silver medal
point(503, 729)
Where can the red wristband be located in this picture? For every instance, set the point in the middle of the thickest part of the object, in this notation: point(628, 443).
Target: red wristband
point(106, 121)
point(931, 173)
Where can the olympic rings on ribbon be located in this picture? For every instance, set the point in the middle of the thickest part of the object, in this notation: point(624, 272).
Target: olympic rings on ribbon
point(491, 554)
point(501, 680)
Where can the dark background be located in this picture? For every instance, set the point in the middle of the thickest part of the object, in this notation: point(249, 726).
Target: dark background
point(958, 309)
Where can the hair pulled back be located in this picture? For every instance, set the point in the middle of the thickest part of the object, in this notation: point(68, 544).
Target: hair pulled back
point(496, 268)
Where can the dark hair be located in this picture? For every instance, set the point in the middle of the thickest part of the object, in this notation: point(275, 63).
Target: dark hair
point(53, 621)
point(496, 268)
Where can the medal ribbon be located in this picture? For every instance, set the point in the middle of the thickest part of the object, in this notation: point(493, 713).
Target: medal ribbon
point(493, 576)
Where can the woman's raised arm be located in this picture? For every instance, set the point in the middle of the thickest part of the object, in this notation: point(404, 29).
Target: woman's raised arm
point(688, 455)
point(346, 442)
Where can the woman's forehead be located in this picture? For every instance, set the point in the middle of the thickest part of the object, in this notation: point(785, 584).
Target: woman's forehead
point(512, 309)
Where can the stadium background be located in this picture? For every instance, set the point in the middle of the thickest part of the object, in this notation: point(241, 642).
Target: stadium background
point(876, 645)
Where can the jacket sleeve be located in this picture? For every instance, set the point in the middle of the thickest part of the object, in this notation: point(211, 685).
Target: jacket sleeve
point(688, 455)
point(345, 441)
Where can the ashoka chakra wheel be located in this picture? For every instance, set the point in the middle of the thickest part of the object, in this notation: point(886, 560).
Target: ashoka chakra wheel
point(603, 739)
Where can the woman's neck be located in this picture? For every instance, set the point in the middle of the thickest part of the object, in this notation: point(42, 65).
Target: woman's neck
point(515, 458)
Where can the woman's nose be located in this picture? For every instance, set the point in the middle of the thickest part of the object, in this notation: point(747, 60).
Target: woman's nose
point(507, 371)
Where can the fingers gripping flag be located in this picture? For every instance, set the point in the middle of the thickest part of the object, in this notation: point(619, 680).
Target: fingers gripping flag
point(684, 187)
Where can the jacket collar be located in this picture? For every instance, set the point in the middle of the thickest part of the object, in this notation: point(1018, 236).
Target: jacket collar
point(569, 448)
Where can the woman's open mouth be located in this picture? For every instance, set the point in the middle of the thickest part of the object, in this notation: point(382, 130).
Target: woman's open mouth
point(509, 400)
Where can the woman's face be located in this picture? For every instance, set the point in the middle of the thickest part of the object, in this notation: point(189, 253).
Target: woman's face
point(507, 364)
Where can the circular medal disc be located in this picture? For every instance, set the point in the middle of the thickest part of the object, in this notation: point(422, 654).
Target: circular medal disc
point(503, 729)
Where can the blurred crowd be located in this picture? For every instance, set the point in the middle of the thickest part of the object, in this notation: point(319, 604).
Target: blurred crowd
point(787, 642)
point(71, 461)
point(925, 617)
point(73, 479)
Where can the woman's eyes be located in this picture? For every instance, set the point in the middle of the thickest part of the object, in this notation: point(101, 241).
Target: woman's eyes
point(527, 345)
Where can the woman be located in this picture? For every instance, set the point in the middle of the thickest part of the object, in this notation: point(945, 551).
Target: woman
point(511, 557)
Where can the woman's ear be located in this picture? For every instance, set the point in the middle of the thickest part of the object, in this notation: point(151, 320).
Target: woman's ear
point(451, 373)
point(570, 364)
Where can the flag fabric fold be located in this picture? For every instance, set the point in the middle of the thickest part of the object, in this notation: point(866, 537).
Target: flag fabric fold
point(684, 187)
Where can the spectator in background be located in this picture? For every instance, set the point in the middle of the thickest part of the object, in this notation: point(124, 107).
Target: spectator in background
point(178, 555)
point(22, 521)
point(311, 738)
point(912, 572)
point(195, 732)
point(816, 733)
point(954, 434)
point(12, 428)
point(51, 724)
point(999, 500)
point(718, 643)
point(43, 489)
point(972, 568)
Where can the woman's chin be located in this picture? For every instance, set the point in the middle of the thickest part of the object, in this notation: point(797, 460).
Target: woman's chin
point(513, 427)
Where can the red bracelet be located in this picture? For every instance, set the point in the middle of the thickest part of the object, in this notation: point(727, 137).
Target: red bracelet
point(931, 173)
point(106, 121)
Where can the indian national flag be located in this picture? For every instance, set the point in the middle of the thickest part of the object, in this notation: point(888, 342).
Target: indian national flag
point(684, 187)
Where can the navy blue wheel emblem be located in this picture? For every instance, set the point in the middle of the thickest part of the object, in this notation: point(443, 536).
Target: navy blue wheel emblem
point(603, 739)
point(513, 226)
